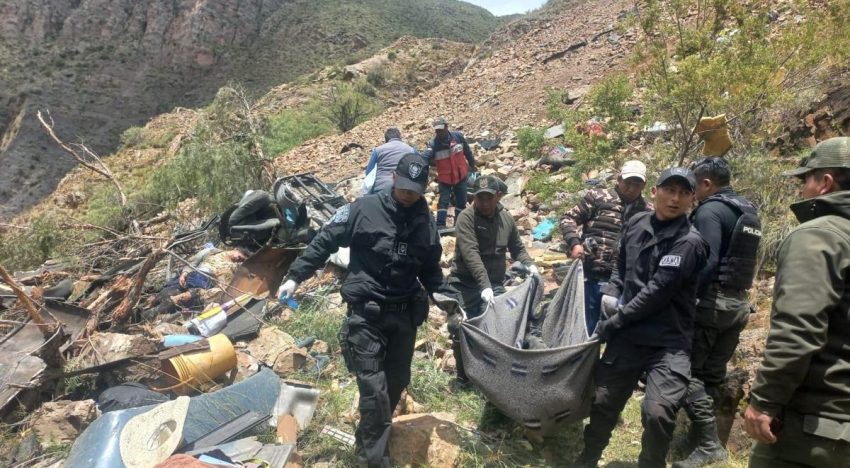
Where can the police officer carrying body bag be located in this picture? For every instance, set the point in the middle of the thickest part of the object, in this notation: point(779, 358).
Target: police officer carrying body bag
point(395, 251)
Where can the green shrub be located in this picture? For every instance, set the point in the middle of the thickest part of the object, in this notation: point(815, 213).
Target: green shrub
point(28, 248)
point(290, 128)
point(346, 108)
point(133, 137)
point(530, 142)
point(218, 163)
point(392, 55)
point(104, 208)
point(378, 75)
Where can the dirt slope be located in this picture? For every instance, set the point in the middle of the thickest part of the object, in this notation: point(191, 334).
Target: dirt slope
point(497, 92)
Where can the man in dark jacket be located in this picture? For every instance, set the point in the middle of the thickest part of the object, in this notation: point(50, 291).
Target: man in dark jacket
point(731, 226)
point(384, 160)
point(799, 410)
point(601, 214)
point(649, 308)
point(395, 250)
point(450, 152)
point(486, 233)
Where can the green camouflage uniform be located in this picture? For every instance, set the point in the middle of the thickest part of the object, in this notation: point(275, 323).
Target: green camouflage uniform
point(803, 380)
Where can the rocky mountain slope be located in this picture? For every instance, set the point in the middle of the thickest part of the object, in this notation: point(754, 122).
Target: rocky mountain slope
point(503, 86)
point(101, 66)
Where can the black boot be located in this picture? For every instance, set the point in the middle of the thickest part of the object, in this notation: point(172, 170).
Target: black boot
point(709, 449)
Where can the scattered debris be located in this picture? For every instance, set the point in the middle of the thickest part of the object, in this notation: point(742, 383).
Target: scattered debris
point(338, 435)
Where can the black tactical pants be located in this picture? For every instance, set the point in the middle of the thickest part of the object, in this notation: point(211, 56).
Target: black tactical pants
point(377, 342)
point(667, 371)
point(716, 334)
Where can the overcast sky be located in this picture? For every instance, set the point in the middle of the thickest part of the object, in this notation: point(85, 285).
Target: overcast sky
point(507, 7)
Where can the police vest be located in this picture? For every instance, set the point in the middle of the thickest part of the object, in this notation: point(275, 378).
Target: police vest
point(737, 268)
point(451, 163)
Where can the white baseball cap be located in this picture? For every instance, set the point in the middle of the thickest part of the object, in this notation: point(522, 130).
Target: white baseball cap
point(634, 168)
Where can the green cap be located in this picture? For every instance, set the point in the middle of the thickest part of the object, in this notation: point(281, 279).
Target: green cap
point(834, 152)
point(488, 184)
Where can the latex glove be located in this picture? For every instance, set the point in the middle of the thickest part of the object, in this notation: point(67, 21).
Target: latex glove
point(533, 270)
point(487, 295)
point(286, 290)
point(606, 328)
point(577, 252)
point(609, 306)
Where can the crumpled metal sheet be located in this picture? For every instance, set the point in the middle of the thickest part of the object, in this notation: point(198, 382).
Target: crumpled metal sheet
point(97, 446)
point(18, 369)
point(556, 383)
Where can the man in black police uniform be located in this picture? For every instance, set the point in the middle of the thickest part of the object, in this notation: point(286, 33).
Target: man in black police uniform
point(649, 308)
point(731, 226)
point(395, 247)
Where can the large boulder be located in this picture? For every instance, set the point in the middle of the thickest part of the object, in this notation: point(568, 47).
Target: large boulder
point(425, 440)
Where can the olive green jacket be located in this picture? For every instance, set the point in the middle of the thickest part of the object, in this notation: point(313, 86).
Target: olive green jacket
point(482, 246)
point(807, 358)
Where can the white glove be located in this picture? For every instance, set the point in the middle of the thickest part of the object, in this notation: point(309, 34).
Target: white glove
point(487, 295)
point(609, 306)
point(286, 290)
point(533, 270)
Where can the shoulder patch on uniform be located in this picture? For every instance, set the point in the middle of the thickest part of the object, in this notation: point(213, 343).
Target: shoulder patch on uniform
point(670, 261)
point(342, 213)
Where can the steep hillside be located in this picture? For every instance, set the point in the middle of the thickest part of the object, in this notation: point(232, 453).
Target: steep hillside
point(501, 89)
point(101, 66)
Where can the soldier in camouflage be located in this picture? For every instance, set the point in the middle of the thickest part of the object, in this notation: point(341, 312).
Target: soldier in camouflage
point(601, 214)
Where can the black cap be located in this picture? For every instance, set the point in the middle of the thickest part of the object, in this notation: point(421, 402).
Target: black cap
point(487, 184)
point(411, 173)
point(677, 174)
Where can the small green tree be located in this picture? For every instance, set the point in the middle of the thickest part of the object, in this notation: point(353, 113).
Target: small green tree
point(346, 108)
point(530, 142)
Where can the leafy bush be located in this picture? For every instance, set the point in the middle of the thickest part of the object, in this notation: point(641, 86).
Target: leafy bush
point(30, 247)
point(378, 75)
point(290, 128)
point(218, 163)
point(530, 142)
point(346, 108)
point(703, 58)
point(133, 137)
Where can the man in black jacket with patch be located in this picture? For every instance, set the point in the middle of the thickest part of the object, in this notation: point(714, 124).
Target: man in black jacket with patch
point(731, 226)
point(648, 307)
point(395, 251)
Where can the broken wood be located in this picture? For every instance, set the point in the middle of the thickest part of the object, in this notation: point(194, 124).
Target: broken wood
point(124, 310)
point(46, 329)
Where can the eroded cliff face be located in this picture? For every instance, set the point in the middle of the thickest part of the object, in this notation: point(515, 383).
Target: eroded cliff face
point(101, 66)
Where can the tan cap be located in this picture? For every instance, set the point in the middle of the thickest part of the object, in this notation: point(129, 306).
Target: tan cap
point(634, 168)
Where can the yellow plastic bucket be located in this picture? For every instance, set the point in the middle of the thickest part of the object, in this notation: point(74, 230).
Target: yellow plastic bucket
point(199, 369)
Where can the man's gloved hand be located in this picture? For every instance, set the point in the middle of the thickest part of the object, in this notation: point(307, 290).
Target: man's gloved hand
point(488, 296)
point(609, 306)
point(533, 270)
point(607, 327)
point(286, 290)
